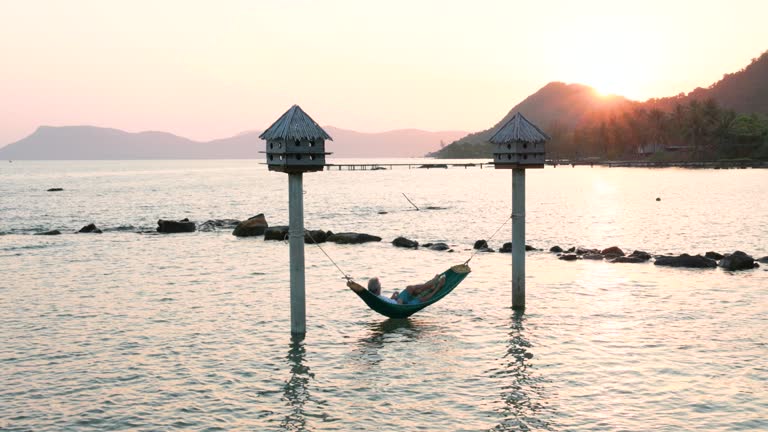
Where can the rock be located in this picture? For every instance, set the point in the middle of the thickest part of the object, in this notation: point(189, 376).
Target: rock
point(435, 208)
point(172, 226)
point(529, 248)
point(556, 249)
point(713, 255)
point(405, 243)
point(569, 257)
point(645, 256)
point(254, 226)
point(277, 233)
point(584, 251)
point(383, 212)
point(90, 228)
point(613, 250)
point(428, 166)
point(763, 260)
point(55, 189)
point(436, 246)
point(592, 256)
point(658, 199)
point(480, 244)
point(352, 238)
point(627, 259)
point(571, 249)
point(506, 248)
point(51, 232)
point(315, 236)
point(685, 260)
point(737, 261)
point(215, 224)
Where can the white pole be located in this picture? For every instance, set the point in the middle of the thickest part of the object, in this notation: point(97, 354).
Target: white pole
point(296, 244)
point(518, 238)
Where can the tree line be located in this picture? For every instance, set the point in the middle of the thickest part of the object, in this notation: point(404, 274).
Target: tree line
point(696, 130)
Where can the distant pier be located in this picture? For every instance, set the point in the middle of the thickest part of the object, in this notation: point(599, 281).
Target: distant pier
point(555, 163)
point(384, 166)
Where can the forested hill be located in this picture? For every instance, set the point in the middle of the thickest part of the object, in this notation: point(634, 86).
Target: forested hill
point(745, 91)
point(727, 119)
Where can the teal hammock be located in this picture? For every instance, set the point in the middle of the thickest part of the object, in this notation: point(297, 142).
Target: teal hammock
point(453, 277)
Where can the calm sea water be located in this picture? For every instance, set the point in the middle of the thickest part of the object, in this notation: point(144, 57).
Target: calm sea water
point(126, 331)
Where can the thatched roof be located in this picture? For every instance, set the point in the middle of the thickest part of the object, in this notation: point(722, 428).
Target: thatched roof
point(295, 124)
point(518, 129)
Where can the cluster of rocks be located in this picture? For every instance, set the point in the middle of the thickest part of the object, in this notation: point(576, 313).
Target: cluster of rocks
point(737, 260)
point(88, 229)
point(258, 226)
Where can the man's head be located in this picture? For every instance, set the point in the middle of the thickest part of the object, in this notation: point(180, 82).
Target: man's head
point(374, 286)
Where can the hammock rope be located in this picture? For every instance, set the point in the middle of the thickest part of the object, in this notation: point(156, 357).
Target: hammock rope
point(489, 238)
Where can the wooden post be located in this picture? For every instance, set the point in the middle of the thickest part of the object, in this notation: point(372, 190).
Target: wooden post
point(296, 244)
point(518, 239)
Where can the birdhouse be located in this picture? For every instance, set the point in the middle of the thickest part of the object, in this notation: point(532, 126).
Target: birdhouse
point(295, 143)
point(518, 144)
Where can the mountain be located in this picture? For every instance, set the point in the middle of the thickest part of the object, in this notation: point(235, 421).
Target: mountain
point(95, 143)
point(569, 112)
point(745, 91)
point(555, 106)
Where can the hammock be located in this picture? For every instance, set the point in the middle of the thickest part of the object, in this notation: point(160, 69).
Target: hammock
point(453, 277)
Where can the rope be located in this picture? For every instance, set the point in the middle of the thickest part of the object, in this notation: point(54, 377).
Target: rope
point(345, 276)
point(492, 236)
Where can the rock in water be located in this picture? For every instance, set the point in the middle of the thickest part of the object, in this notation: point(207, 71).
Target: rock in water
point(254, 226)
point(437, 246)
point(352, 238)
point(763, 260)
point(172, 226)
point(627, 259)
point(214, 224)
point(51, 232)
point(556, 249)
point(737, 261)
point(405, 243)
point(90, 228)
point(480, 244)
point(592, 256)
point(685, 260)
point(713, 255)
point(569, 257)
point(316, 236)
point(613, 250)
point(278, 233)
point(55, 189)
point(645, 256)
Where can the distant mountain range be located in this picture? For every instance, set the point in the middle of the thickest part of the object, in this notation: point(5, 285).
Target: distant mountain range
point(96, 143)
point(560, 108)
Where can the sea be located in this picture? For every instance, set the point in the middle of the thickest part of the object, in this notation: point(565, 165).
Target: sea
point(138, 331)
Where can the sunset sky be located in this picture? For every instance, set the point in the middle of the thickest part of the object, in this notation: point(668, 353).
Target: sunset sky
point(213, 69)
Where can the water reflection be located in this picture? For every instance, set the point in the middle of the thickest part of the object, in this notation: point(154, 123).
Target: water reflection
point(522, 395)
point(296, 391)
point(383, 332)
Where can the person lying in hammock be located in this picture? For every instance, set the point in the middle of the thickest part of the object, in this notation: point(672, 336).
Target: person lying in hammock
point(412, 294)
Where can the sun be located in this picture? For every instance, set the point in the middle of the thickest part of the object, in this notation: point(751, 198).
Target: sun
point(609, 58)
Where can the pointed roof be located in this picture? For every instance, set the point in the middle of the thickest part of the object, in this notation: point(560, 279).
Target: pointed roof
point(518, 129)
point(295, 124)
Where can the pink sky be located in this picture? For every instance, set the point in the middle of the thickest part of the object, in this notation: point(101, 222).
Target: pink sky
point(205, 70)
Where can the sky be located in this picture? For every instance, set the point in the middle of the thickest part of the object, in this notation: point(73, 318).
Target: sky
point(206, 70)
